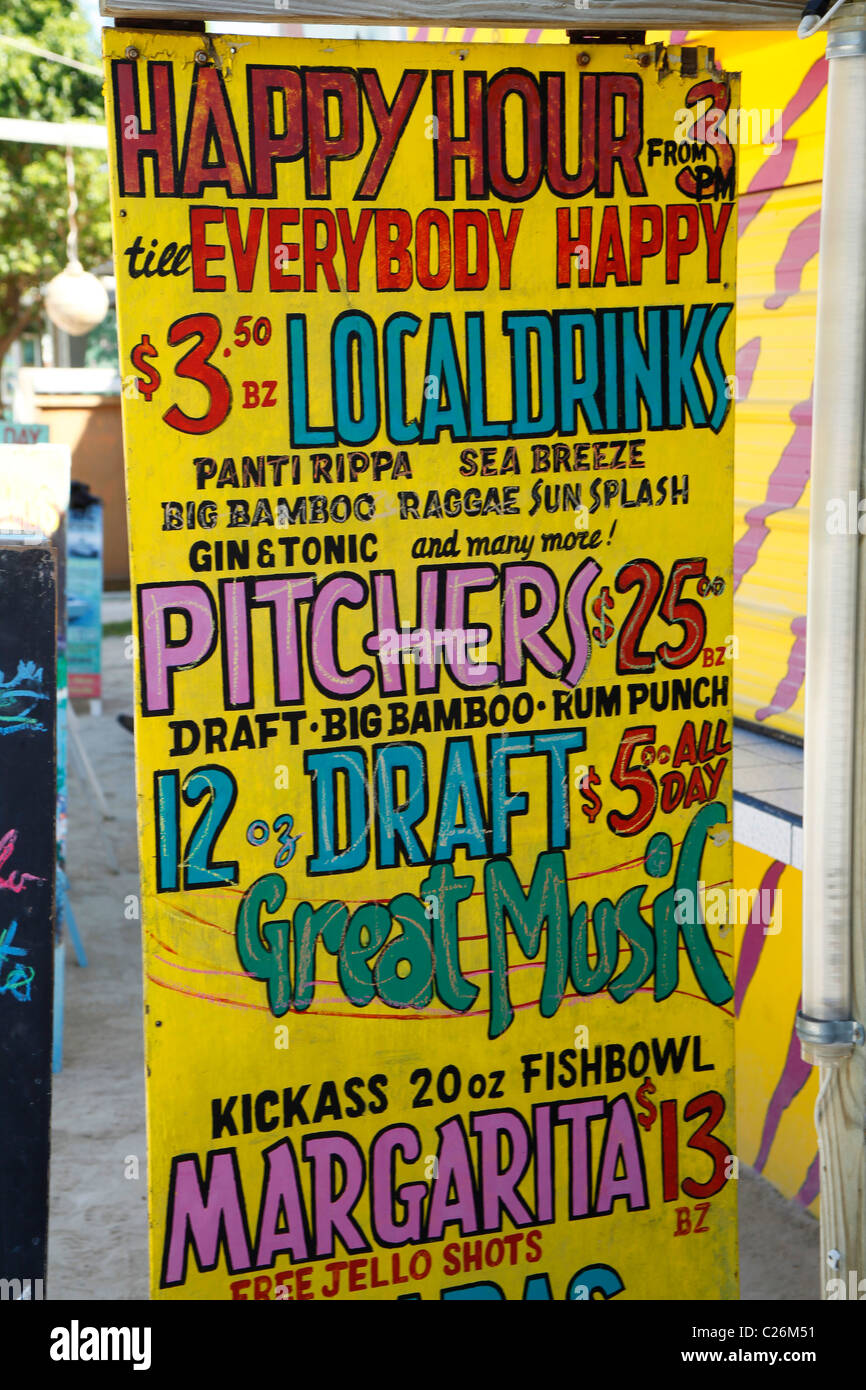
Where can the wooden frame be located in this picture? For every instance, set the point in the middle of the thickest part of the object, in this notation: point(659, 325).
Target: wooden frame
point(503, 14)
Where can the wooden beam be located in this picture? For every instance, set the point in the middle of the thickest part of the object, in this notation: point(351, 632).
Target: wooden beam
point(498, 14)
point(73, 133)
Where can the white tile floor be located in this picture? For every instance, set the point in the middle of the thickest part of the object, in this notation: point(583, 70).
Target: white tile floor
point(116, 606)
point(768, 770)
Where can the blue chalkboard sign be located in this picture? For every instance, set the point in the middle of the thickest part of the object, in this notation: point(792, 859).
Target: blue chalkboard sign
point(27, 854)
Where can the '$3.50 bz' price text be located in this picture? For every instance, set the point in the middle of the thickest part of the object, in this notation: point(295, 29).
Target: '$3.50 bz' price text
point(195, 365)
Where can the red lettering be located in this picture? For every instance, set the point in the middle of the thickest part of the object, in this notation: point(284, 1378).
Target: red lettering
point(684, 1221)
point(202, 251)
point(611, 252)
point(391, 249)
point(322, 146)
point(353, 246)
point(316, 255)
point(569, 248)
point(619, 149)
point(639, 248)
point(523, 86)
point(505, 242)
point(279, 252)
point(720, 96)
point(390, 122)
point(210, 126)
point(711, 1104)
point(678, 246)
point(269, 148)
point(244, 253)
point(464, 278)
point(687, 750)
point(429, 218)
point(563, 184)
point(715, 234)
point(449, 147)
point(135, 144)
point(699, 1228)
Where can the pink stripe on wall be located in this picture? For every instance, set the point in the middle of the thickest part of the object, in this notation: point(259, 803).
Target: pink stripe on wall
point(785, 487)
point(755, 934)
point(795, 1074)
point(791, 683)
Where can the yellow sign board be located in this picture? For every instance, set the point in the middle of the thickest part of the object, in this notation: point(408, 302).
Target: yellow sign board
point(427, 361)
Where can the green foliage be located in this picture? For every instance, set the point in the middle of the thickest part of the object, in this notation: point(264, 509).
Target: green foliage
point(33, 197)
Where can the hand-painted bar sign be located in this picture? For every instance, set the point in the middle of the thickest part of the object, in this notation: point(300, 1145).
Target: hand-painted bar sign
point(27, 807)
point(429, 448)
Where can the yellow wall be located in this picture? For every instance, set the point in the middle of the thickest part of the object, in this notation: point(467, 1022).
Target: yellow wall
point(780, 196)
point(775, 1090)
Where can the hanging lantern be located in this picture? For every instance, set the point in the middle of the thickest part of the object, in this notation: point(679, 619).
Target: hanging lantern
point(74, 300)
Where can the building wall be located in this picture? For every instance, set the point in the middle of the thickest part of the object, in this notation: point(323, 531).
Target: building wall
point(91, 426)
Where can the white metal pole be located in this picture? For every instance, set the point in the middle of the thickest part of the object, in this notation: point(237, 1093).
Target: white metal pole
point(827, 1027)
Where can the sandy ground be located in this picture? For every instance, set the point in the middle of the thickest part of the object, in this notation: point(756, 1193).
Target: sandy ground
point(98, 1218)
point(97, 1238)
